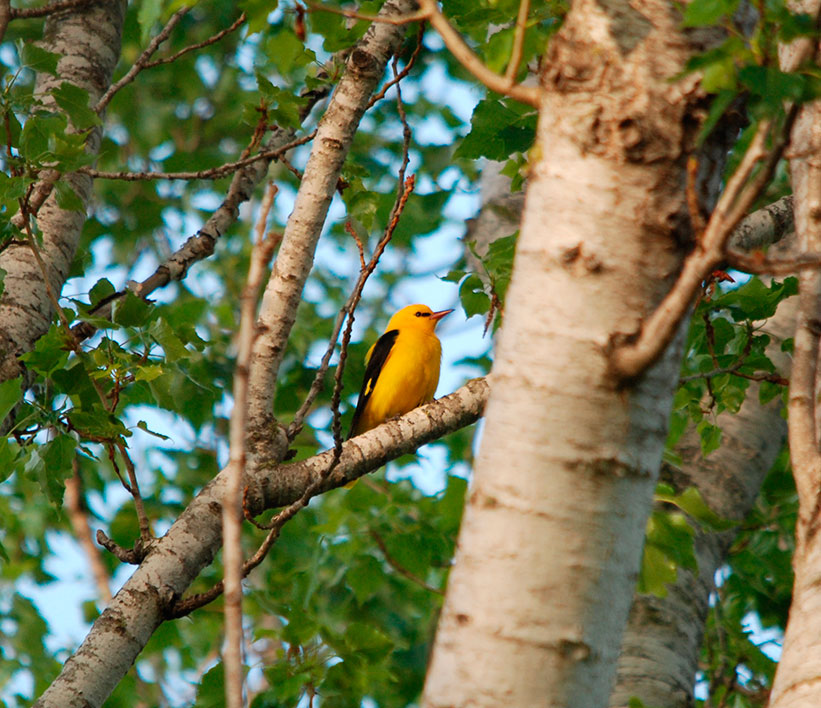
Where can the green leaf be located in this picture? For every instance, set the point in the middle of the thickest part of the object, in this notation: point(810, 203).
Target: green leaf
point(39, 132)
point(132, 311)
point(74, 101)
point(147, 16)
point(368, 641)
point(142, 425)
point(710, 437)
point(101, 290)
point(692, 503)
point(211, 691)
point(472, 295)
point(166, 337)
point(50, 465)
point(499, 263)
point(97, 423)
point(67, 198)
point(498, 129)
point(148, 372)
point(258, 11)
point(11, 392)
point(7, 458)
point(365, 577)
point(49, 353)
point(38, 59)
point(699, 13)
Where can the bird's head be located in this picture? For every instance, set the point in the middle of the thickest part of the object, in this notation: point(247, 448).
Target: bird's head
point(419, 317)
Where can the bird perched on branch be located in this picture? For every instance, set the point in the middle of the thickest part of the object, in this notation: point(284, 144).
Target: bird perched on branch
point(402, 369)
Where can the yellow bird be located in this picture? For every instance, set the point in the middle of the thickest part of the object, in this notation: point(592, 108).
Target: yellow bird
point(402, 369)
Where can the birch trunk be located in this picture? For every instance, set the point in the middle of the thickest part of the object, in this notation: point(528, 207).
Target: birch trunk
point(550, 543)
point(88, 38)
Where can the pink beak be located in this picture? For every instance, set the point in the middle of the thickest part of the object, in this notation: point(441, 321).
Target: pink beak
point(439, 315)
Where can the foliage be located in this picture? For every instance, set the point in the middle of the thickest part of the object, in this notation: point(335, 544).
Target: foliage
point(345, 606)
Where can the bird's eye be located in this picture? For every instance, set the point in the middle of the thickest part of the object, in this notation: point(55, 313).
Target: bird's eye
point(418, 313)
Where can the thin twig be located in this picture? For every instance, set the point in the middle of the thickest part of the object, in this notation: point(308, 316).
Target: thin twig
point(733, 370)
point(20, 13)
point(132, 487)
point(139, 65)
point(696, 219)
point(78, 516)
point(210, 173)
point(629, 357)
point(213, 39)
point(5, 16)
point(142, 518)
point(758, 264)
point(470, 61)
point(404, 190)
point(398, 567)
point(379, 95)
point(232, 504)
point(386, 19)
point(518, 42)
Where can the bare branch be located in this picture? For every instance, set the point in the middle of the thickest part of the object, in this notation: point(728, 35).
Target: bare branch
point(468, 59)
point(210, 173)
point(379, 95)
point(629, 359)
point(146, 534)
point(213, 39)
point(142, 60)
point(296, 484)
point(5, 16)
point(232, 508)
point(386, 19)
point(404, 189)
point(202, 244)
point(518, 42)
point(78, 516)
point(366, 64)
point(19, 13)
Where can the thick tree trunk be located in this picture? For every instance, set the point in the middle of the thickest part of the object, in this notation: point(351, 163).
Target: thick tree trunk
point(88, 38)
point(552, 534)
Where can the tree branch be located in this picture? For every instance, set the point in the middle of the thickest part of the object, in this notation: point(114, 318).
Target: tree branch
point(89, 44)
point(631, 355)
point(468, 59)
point(232, 509)
point(175, 560)
point(202, 244)
point(142, 60)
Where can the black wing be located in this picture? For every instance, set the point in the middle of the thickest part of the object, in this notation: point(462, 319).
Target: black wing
point(379, 356)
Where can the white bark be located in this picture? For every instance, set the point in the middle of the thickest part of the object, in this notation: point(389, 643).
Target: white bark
point(797, 681)
point(552, 534)
point(88, 38)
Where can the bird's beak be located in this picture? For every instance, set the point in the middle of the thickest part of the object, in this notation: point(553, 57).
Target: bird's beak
point(439, 315)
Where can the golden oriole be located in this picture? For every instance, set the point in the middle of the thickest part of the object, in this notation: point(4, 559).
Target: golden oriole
point(402, 368)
